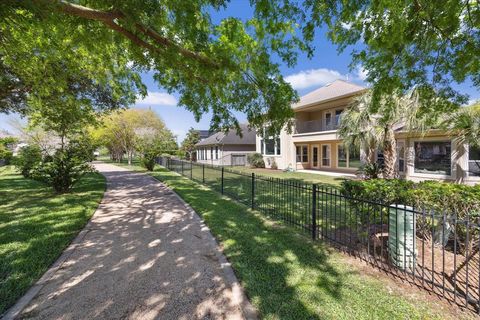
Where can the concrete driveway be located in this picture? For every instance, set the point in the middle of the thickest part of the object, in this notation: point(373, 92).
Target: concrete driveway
point(144, 255)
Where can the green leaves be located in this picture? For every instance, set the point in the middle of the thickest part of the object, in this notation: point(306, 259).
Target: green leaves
point(413, 43)
point(223, 68)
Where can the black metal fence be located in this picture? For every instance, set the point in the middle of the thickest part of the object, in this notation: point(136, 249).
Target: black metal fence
point(436, 251)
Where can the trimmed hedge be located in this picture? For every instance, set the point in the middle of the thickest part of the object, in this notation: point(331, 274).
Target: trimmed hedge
point(441, 197)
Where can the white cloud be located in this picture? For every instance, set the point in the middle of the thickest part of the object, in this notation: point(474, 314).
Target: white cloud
point(313, 77)
point(158, 99)
point(473, 101)
point(361, 73)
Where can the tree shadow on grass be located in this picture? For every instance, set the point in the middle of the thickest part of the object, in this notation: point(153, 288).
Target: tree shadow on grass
point(36, 225)
point(272, 262)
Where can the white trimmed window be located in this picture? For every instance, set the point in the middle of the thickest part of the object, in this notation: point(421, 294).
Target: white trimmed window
point(302, 153)
point(474, 161)
point(433, 157)
point(270, 146)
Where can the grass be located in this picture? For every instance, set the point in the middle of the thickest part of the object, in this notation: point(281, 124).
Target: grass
point(36, 225)
point(295, 176)
point(285, 275)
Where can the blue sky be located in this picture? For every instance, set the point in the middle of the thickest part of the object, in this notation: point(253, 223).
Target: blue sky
point(309, 74)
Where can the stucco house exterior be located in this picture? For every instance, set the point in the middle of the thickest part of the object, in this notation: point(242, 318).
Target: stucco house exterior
point(227, 148)
point(314, 143)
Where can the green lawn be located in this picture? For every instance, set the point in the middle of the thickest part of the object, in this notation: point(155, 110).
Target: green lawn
point(296, 176)
point(286, 275)
point(36, 226)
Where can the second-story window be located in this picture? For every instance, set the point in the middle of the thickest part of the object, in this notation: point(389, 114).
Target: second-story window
point(337, 116)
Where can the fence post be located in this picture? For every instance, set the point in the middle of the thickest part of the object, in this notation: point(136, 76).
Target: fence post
point(181, 161)
point(253, 190)
point(191, 169)
point(203, 173)
point(222, 180)
point(314, 211)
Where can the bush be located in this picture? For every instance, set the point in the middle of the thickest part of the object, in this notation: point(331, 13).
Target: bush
point(5, 154)
point(370, 171)
point(385, 191)
point(148, 160)
point(28, 157)
point(62, 170)
point(441, 197)
point(273, 164)
point(256, 160)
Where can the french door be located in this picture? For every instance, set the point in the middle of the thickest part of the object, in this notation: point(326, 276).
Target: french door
point(315, 157)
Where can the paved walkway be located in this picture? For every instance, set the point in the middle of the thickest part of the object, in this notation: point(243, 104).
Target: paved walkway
point(144, 255)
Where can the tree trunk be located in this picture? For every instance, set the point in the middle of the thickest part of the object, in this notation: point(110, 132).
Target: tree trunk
point(389, 153)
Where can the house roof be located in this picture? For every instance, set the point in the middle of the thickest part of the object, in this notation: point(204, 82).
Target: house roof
point(331, 91)
point(203, 134)
point(231, 137)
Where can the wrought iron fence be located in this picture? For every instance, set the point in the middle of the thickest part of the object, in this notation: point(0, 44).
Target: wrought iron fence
point(435, 251)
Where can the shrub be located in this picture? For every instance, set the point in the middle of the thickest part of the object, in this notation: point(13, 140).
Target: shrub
point(273, 164)
point(5, 154)
point(256, 160)
point(27, 158)
point(370, 171)
point(148, 160)
point(385, 191)
point(62, 170)
point(441, 197)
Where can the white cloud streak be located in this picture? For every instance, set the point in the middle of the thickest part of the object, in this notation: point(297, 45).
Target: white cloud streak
point(313, 77)
point(154, 98)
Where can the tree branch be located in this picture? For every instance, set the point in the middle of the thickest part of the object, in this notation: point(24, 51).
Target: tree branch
point(109, 19)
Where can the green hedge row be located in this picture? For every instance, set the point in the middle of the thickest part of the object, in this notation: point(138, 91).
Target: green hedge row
point(427, 195)
point(433, 197)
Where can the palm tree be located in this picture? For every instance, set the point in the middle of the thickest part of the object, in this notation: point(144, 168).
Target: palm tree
point(465, 125)
point(363, 125)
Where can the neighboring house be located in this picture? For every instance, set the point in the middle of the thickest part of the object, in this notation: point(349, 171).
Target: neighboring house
point(203, 134)
point(227, 148)
point(314, 143)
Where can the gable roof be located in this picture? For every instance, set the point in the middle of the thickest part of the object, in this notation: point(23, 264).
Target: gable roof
point(331, 91)
point(231, 137)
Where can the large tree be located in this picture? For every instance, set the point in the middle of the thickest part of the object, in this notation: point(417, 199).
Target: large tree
point(404, 44)
point(222, 67)
point(134, 131)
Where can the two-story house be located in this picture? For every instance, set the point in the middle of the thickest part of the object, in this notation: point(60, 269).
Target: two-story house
point(314, 143)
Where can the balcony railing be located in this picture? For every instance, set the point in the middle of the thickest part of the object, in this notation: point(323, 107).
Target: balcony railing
point(315, 126)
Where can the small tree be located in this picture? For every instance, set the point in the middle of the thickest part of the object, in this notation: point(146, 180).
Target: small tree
point(66, 166)
point(188, 144)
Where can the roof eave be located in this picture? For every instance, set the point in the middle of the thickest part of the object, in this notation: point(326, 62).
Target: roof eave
point(329, 100)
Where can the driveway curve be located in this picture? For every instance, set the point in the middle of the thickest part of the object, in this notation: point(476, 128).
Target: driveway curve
point(144, 255)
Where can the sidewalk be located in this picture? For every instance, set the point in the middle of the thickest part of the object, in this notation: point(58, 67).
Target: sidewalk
point(144, 255)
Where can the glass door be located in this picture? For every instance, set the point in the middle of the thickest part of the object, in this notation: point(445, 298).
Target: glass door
point(315, 163)
point(325, 155)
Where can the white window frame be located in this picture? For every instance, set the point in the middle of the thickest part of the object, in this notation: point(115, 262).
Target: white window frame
point(346, 156)
point(403, 156)
point(453, 150)
point(301, 146)
point(277, 150)
point(329, 148)
point(470, 177)
point(318, 156)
